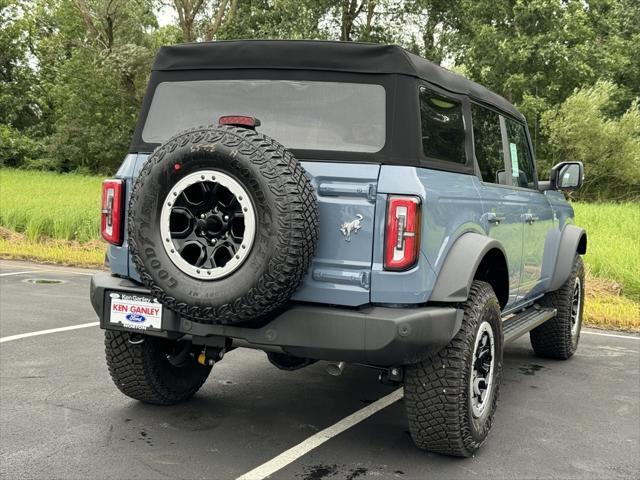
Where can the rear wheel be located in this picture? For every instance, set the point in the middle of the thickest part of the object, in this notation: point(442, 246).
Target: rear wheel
point(153, 370)
point(558, 338)
point(451, 397)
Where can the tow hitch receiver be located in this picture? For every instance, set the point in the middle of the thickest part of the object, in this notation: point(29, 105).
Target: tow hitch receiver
point(209, 356)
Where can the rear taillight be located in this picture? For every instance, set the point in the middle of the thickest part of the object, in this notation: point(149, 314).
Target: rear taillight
point(402, 235)
point(112, 210)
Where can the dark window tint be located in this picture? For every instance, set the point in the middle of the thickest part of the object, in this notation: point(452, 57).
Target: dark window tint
point(488, 144)
point(302, 114)
point(519, 155)
point(442, 127)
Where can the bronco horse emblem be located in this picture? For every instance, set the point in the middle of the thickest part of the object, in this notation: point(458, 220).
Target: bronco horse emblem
point(347, 228)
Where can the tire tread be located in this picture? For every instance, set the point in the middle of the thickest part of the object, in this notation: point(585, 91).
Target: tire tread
point(297, 216)
point(436, 390)
point(553, 339)
point(140, 371)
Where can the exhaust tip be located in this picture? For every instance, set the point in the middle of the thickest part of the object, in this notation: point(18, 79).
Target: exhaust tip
point(335, 368)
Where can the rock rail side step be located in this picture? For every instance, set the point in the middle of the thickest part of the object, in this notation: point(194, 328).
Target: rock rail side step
point(525, 321)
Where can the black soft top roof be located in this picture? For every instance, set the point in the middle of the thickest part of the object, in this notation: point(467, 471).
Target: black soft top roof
point(332, 56)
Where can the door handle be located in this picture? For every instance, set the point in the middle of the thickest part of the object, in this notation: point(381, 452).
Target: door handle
point(530, 218)
point(492, 217)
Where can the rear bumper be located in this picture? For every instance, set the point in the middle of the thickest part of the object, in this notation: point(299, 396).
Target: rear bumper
point(373, 335)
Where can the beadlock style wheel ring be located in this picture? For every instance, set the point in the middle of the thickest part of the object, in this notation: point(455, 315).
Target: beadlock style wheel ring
point(576, 304)
point(208, 224)
point(482, 368)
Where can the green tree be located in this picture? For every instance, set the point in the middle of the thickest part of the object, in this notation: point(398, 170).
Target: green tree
point(73, 72)
point(19, 109)
point(536, 52)
point(17, 104)
point(437, 22)
point(93, 60)
point(274, 19)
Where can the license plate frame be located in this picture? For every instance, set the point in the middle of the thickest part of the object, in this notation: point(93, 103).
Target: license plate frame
point(135, 311)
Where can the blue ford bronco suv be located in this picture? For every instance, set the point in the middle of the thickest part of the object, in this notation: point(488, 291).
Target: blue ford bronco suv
point(343, 202)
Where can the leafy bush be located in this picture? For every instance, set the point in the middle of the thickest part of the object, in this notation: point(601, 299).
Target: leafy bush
point(581, 129)
point(16, 148)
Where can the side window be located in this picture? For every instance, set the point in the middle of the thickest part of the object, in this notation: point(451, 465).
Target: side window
point(521, 161)
point(442, 127)
point(488, 144)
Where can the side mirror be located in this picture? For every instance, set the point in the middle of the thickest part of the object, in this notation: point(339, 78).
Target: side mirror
point(567, 176)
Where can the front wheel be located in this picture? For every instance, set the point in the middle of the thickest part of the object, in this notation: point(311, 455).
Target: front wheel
point(451, 397)
point(153, 370)
point(558, 338)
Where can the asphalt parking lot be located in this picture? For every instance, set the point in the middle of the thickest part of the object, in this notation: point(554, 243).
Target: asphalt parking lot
point(61, 417)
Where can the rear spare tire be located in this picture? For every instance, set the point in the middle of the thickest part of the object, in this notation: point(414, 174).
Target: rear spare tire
point(222, 224)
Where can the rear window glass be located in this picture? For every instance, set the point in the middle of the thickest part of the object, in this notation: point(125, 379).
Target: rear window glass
point(488, 144)
point(299, 114)
point(442, 127)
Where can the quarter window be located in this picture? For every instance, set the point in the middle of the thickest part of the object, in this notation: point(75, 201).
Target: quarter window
point(442, 127)
point(487, 141)
point(521, 162)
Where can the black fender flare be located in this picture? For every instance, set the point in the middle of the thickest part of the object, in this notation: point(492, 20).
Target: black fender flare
point(460, 267)
point(572, 240)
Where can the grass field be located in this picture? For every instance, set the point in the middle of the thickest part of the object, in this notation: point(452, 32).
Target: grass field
point(45, 204)
point(613, 249)
point(54, 218)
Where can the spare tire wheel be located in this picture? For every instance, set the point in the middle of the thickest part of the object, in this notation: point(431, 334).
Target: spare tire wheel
point(223, 223)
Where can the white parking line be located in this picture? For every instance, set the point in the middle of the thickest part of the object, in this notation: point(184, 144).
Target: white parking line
point(319, 438)
point(39, 268)
point(10, 338)
point(20, 273)
point(50, 270)
point(632, 337)
point(294, 453)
